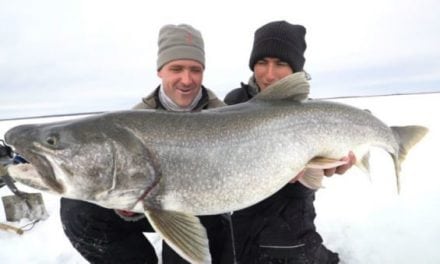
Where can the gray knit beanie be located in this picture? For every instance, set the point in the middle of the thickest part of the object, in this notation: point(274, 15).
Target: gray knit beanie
point(280, 39)
point(180, 42)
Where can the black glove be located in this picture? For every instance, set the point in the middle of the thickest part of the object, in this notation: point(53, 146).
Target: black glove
point(5, 152)
point(7, 156)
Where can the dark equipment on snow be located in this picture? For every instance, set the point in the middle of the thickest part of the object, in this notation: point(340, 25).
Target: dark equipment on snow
point(21, 204)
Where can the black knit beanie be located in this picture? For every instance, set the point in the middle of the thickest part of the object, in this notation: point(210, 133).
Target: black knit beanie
point(280, 39)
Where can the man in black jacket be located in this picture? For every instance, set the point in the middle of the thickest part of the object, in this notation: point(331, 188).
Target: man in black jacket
point(104, 235)
point(281, 228)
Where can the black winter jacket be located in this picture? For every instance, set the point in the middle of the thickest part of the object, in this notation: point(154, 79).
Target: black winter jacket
point(284, 219)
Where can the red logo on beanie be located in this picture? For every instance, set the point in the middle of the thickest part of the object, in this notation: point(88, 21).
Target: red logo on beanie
point(189, 39)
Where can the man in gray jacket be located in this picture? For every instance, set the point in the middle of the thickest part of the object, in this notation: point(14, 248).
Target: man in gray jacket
point(113, 236)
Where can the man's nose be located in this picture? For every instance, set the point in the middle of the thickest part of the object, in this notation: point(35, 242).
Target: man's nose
point(270, 73)
point(186, 78)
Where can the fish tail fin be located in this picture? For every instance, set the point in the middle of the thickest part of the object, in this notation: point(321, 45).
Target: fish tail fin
point(407, 137)
point(183, 232)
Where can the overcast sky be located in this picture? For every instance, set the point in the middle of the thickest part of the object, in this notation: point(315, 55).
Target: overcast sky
point(60, 57)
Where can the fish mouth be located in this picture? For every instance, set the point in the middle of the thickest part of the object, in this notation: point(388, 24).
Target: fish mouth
point(39, 173)
point(27, 174)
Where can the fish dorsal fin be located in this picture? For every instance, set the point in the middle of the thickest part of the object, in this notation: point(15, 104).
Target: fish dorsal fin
point(183, 232)
point(294, 87)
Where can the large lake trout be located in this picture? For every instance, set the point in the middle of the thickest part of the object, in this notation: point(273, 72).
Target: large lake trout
point(173, 166)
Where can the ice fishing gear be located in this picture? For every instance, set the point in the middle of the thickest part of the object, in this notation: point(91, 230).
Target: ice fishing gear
point(21, 204)
point(11, 228)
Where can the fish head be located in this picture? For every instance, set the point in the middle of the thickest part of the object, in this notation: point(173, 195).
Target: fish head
point(90, 159)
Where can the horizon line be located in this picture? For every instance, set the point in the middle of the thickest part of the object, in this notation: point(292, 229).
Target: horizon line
point(320, 98)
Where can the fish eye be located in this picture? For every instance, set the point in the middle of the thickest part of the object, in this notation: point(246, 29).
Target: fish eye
point(52, 140)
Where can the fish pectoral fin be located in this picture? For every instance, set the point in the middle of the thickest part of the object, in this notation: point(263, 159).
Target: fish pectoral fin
point(324, 163)
point(183, 232)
